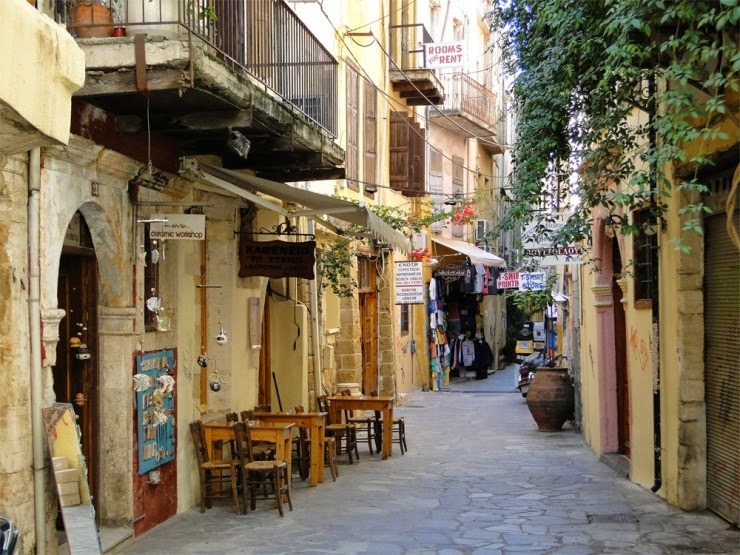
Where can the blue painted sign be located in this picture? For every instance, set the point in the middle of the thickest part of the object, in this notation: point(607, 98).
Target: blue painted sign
point(154, 387)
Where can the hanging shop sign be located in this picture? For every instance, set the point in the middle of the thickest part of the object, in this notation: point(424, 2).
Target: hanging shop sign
point(532, 281)
point(190, 227)
point(409, 283)
point(508, 280)
point(451, 272)
point(443, 54)
point(277, 259)
point(537, 246)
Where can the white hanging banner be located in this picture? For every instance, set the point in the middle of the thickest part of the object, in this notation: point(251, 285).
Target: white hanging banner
point(179, 226)
point(409, 283)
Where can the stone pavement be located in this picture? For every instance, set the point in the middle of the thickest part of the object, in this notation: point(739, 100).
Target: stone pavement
point(478, 478)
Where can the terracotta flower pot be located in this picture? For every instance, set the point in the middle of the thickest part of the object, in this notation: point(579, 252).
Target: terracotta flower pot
point(89, 14)
point(551, 398)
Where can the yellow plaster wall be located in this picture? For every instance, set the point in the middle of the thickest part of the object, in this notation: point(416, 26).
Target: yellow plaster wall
point(39, 91)
point(590, 399)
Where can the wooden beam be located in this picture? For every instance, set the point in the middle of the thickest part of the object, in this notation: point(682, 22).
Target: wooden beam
point(125, 82)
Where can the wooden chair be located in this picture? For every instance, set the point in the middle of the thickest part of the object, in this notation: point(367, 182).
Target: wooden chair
point(256, 473)
point(263, 450)
point(213, 474)
point(339, 431)
point(302, 458)
point(366, 424)
point(399, 428)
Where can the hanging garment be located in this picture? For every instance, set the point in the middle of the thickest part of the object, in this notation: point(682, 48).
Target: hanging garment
point(483, 358)
point(480, 273)
point(467, 352)
point(467, 281)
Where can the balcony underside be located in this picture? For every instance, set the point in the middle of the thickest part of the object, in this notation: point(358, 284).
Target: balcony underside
point(196, 99)
point(418, 87)
point(457, 120)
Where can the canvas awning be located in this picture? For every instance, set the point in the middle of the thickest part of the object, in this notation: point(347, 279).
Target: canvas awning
point(476, 255)
point(245, 185)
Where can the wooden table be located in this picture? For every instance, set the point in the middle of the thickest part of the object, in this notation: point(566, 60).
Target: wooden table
point(315, 423)
point(279, 434)
point(339, 403)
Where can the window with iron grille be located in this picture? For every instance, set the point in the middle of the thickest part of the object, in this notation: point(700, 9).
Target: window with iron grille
point(645, 261)
point(404, 319)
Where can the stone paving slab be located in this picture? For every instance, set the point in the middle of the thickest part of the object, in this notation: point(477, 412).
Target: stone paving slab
point(478, 479)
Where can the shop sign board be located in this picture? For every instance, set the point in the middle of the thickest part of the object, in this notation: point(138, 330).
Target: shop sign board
point(277, 259)
point(531, 281)
point(190, 227)
point(508, 280)
point(443, 54)
point(409, 283)
point(536, 245)
point(451, 272)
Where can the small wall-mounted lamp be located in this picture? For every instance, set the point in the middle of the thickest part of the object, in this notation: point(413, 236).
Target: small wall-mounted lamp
point(611, 222)
point(454, 199)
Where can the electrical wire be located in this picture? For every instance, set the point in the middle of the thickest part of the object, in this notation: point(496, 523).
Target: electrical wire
point(402, 6)
point(392, 100)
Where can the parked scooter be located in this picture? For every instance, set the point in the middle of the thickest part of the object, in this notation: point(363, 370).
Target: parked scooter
point(527, 369)
point(8, 536)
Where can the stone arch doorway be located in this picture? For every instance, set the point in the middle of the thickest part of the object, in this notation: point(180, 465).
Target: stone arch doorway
point(77, 355)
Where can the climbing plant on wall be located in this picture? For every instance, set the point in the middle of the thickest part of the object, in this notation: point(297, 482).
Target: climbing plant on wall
point(615, 89)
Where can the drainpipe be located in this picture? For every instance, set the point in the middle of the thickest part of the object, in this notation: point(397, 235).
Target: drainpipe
point(315, 342)
point(657, 439)
point(34, 324)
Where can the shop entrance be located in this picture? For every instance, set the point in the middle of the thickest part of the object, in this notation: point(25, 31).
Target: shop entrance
point(368, 324)
point(76, 370)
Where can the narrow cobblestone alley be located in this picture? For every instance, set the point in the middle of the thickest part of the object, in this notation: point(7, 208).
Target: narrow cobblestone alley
point(478, 478)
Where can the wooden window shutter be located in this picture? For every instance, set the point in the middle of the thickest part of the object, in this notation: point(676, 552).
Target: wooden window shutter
point(417, 147)
point(407, 147)
point(351, 151)
point(399, 151)
point(371, 137)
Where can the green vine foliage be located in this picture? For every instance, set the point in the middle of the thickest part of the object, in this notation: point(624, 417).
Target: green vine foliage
point(581, 68)
point(529, 303)
point(334, 267)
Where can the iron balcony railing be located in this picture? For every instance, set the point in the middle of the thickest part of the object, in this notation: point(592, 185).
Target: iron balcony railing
point(407, 46)
point(465, 95)
point(264, 38)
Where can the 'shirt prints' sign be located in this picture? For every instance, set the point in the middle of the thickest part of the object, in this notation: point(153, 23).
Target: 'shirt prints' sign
point(277, 259)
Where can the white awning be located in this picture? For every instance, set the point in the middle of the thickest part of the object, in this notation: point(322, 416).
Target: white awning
point(476, 255)
point(241, 184)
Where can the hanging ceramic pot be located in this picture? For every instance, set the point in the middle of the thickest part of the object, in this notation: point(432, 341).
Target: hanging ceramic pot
point(551, 398)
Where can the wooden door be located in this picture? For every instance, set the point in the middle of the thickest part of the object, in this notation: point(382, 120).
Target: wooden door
point(620, 352)
point(368, 298)
point(369, 341)
point(76, 379)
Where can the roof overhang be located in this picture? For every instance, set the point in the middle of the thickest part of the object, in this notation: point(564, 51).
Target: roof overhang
point(476, 255)
point(245, 186)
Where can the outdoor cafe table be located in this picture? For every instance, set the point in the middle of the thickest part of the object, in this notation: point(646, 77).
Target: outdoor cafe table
point(315, 423)
point(279, 434)
point(339, 403)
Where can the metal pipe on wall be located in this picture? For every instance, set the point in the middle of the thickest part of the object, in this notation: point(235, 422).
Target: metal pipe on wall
point(34, 323)
point(314, 314)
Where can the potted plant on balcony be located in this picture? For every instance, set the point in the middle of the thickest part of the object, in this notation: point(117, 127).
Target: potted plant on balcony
point(93, 18)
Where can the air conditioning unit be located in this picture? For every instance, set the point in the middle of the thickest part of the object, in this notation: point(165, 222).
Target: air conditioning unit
point(482, 227)
point(314, 106)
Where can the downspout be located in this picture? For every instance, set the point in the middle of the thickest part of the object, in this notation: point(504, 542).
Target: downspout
point(34, 324)
point(657, 439)
point(315, 341)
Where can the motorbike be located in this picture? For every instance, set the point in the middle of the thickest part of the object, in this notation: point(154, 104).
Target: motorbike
point(527, 369)
point(8, 536)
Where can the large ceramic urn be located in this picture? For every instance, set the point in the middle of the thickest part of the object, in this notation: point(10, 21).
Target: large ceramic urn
point(551, 398)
